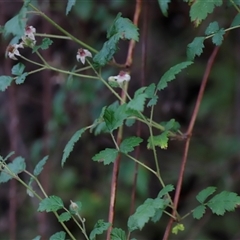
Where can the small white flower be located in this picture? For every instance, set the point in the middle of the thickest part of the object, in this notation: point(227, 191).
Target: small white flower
point(82, 54)
point(29, 32)
point(12, 50)
point(121, 77)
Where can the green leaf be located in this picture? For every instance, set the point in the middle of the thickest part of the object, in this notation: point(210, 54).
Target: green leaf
point(171, 125)
point(217, 39)
point(128, 144)
point(21, 78)
point(195, 48)
point(64, 217)
point(50, 204)
point(164, 6)
point(17, 24)
point(8, 156)
point(159, 141)
point(205, 193)
point(69, 147)
point(98, 229)
point(168, 188)
point(118, 234)
point(58, 236)
point(137, 103)
point(39, 167)
point(144, 212)
point(224, 201)
point(150, 90)
point(213, 27)
point(18, 69)
point(37, 238)
point(106, 53)
point(46, 42)
point(178, 227)
point(199, 211)
point(171, 74)
point(17, 166)
point(123, 28)
point(70, 4)
point(114, 115)
point(236, 21)
point(106, 156)
point(201, 8)
point(5, 82)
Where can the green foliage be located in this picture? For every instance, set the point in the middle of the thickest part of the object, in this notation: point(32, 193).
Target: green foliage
point(12, 169)
point(137, 103)
point(122, 28)
point(64, 217)
point(70, 4)
point(5, 82)
point(195, 48)
point(98, 229)
point(69, 147)
point(118, 234)
point(201, 8)
point(236, 21)
point(171, 74)
point(46, 42)
point(217, 37)
point(50, 204)
point(39, 167)
point(158, 141)
point(218, 204)
point(168, 188)
point(58, 236)
point(178, 227)
point(128, 144)
point(171, 125)
point(18, 71)
point(106, 156)
point(164, 6)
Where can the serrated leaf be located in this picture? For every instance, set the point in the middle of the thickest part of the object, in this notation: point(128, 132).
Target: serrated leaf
point(144, 212)
point(50, 204)
point(205, 193)
point(106, 156)
point(158, 141)
point(118, 234)
point(178, 227)
point(217, 39)
point(171, 125)
point(153, 101)
point(201, 8)
point(17, 24)
point(128, 144)
point(18, 69)
point(21, 78)
point(168, 188)
point(39, 167)
point(213, 27)
point(124, 28)
point(37, 238)
point(64, 217)
point(17, 166)
point(70, 4)
point(150, 90)
point(236, 21)
point(69, 147)
point(46, 42)
point(199, 211)
point(195, 48)
point(58, 236)
point(224, 201)
point(98, 229)
point(171, 74)
point(5, 82)
point(137, 103)
point(130, 121)
point(163, 4)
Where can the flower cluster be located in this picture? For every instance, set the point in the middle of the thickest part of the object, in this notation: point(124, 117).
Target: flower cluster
point(28, 40)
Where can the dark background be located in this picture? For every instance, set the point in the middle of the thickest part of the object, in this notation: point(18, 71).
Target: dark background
point(38, 118)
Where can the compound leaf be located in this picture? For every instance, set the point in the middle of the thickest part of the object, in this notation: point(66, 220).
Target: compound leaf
point(195, 48)
point(106, 156)
point(128, 144)
point(205, 193)
point(99, 228)
point(5, 82)
point(199, 211)
point(50, 204)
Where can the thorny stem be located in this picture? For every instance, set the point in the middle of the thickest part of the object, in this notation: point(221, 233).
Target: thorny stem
point(189, 133)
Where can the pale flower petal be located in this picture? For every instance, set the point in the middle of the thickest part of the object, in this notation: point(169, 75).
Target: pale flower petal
point(12, 50)
point(121, 77)
point(82, 54)
point(29, 32)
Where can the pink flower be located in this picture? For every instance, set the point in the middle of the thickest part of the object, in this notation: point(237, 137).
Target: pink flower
point(121, 77)
point(82, 54)
point(29, 37)
point(12, 50)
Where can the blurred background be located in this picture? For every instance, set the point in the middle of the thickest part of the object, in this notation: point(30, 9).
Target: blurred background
point(39, 117)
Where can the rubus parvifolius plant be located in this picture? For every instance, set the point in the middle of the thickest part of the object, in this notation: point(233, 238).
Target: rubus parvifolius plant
point(117, 117)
